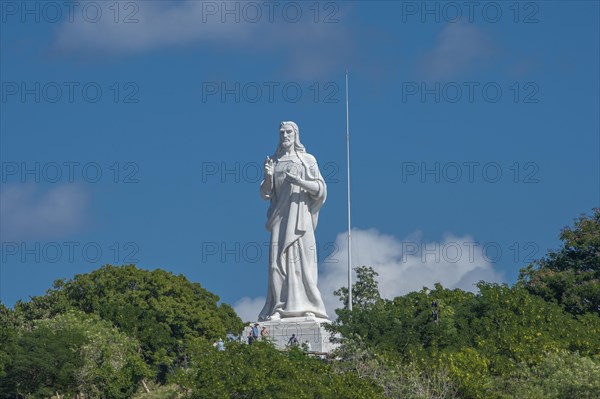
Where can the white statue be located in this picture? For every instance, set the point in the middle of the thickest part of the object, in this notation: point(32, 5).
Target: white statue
point(297, 191)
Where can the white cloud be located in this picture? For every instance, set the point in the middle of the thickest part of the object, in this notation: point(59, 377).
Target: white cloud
point(403, 265)
point(460, 47)
point(406, 265)
point(26, 214)
point(147, 25)
point(249, 308)
point(307, 48)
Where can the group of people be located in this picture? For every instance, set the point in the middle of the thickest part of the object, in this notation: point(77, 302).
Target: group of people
point(255, 334)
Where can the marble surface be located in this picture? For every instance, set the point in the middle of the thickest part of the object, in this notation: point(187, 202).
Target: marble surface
point(306, 329)
point(296, 190)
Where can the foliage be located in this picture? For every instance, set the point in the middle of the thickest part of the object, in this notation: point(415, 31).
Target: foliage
point(70, 354)
point(476, 340)
point(155, 391)
point(123, 332)
point(8, 334)
point(561, 375)
point(261, 371)
point(157, 308)
point(365, 292)
point(397, 379)
point(571, 275)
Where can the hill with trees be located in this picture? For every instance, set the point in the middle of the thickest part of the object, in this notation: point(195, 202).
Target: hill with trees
point(125, 332)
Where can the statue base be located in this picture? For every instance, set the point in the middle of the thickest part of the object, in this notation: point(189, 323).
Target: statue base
point(305, 329)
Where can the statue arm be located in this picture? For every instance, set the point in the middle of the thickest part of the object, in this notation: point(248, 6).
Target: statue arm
point(313, 187)
point(266, 188)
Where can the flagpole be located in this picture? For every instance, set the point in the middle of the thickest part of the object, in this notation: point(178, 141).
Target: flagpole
point(349, 224)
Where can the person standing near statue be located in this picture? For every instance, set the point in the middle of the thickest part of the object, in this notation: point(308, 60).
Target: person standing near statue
point(264, 333)
point(296, 190)
point(293, 341)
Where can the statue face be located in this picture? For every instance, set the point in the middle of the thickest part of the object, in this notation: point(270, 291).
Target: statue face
point(287, 136)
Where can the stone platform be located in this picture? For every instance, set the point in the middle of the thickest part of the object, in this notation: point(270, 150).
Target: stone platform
point(309, 329)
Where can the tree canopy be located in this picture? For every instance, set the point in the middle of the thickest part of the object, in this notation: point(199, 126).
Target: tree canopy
point(157, 308)
point(570, 276)
point(490, 344)
point(123, 332)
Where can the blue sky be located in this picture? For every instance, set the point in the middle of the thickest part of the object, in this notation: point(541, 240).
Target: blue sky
point(134, 132)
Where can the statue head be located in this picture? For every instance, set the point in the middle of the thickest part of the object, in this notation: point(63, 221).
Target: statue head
point(284, 129)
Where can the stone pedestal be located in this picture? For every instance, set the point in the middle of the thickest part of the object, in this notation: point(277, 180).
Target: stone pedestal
point(309, 329)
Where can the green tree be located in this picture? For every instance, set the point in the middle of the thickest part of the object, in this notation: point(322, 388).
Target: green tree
point(570, 276)
point(561, 375)
point(398, 379)
point(474, 339)
point(112, 364)
point(261, 371)
point(43, 362)
point(406, 324)
point(8, 333)
point(160, 310)
point(73, 353)
point(365, 290)
point(367, 314)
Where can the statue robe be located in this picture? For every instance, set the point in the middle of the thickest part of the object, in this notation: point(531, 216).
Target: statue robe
point(292, 219)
